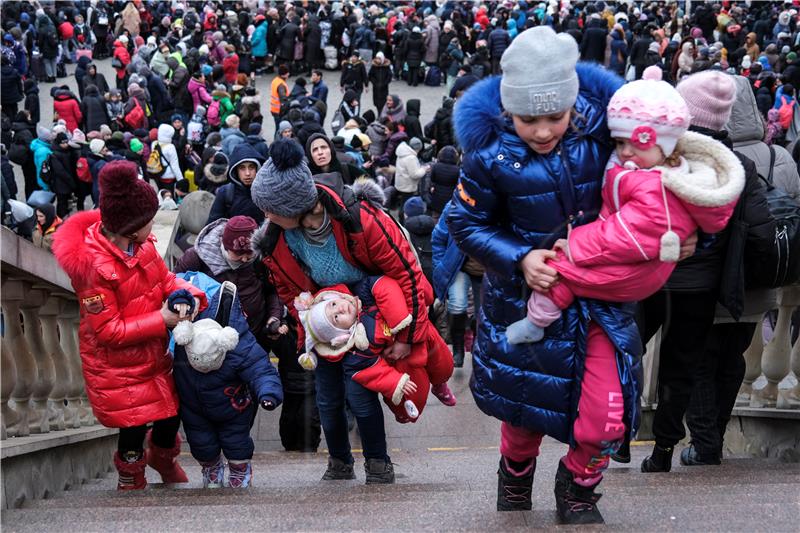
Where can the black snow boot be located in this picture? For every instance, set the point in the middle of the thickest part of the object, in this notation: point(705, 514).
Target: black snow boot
point(514, 487)
point(457, 328)
point(691, 457)
point(379, 471)
point(575, 503)
point(623, 454)
point(659, 461)
point(338, 469)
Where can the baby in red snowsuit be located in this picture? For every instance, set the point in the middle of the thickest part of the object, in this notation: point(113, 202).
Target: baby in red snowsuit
point(355, 326)
point(666, 183)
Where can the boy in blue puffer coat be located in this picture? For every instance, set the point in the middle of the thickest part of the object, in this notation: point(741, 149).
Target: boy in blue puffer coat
point(220, 373)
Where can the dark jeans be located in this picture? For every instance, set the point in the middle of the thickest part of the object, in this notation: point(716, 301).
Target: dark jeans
point(332, 391)
point(164, 431)
point(62, 205)
point(717, 380)
point(687, 318)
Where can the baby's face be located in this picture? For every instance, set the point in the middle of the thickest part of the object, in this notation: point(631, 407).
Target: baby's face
point(341, 313)
point(644, 158)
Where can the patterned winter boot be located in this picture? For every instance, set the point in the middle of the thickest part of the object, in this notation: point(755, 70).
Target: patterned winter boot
point(575, 503)
point(514, 485)
point(241, 474)
point(131, 471)
point(213, 473)
point(164, 460)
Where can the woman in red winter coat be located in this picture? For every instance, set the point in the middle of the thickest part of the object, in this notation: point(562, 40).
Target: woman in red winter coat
point(121, 53)
point(230, 65)
point(121, 282)
point(66, 106)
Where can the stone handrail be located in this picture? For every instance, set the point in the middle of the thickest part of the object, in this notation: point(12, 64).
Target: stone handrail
point(42, 387)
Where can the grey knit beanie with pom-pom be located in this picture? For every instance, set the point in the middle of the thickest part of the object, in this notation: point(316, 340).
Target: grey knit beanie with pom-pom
point(283, 185)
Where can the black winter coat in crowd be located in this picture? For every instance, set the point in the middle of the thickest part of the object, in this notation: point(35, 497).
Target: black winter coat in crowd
point(444, 178)
point(442, 128)
point(593, 44)
point(62, 165)
point(98, 80)
point(313, 49)
point(411, 122)
point(414, 50)
point(354, 75)
point(498, 42)
point(10, 85)
point(94, 110)
point(32, 99)
point(639, 50)
point(288, 34)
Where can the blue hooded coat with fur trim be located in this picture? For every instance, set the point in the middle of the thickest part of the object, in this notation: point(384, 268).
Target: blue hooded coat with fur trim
point(509, 201)
point(218, 408)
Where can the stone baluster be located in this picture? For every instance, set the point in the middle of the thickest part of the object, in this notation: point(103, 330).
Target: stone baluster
point(31, 308)
point(752, 359)
point(17, 345)
point(794, 394)
point(49, 317)
point(8, 376)
point(68, 334)
point(775, 362)
point(85, 412)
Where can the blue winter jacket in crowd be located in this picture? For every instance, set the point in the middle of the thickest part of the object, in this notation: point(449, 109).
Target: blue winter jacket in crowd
point(447, 257)
point(510, 201)
point(258, 40)
point(220, 406)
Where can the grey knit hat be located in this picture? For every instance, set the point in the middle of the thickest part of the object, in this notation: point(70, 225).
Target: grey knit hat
point(539, 75)
point(283, 185)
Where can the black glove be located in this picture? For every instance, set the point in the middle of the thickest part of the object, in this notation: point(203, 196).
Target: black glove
point(180, 296)
point(268, 405)
point(273, 326)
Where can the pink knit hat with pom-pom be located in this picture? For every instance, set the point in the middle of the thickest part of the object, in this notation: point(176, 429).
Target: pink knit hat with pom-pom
point(649, 112)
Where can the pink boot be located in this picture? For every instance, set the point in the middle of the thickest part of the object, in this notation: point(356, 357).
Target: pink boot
point(164, 461)
point(444, 395)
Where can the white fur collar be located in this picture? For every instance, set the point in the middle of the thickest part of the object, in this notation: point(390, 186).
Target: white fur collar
point(711, 175)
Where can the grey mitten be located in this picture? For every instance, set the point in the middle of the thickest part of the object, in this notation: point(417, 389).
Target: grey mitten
point(524, 331)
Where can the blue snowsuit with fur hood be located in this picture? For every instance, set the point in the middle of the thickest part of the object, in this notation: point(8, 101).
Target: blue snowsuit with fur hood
point(218, 408)
point(509, 201)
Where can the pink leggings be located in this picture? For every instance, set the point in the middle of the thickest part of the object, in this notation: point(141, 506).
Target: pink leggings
point(598, 429)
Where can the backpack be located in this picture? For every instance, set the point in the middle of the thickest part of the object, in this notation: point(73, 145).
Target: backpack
point(155, 163)
point(337, 122)
point(19, 153)
point(213, 114)
point(434, 77)
point(786, 113)
point(135, 118)
point(46, 173)
point(781, 265)
point(82, 170)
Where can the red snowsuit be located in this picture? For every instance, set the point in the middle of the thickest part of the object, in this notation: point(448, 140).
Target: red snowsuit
point(123, 339)
point(616, 257)
point(384, 315)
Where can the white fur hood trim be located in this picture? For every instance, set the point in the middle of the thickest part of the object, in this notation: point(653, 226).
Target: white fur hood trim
point(714, 177)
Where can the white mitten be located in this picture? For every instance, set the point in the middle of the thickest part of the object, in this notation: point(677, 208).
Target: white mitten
point(308, 361)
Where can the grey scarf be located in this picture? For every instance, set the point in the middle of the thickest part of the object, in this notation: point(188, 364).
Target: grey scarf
point(320, 235)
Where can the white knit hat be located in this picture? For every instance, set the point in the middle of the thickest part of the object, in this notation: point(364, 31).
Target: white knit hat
point(649, 112)
point(206, 342)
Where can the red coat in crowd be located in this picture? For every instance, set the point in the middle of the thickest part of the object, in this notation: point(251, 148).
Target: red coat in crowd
point(122, 54)
point(123, 339)
point(66, 30)
point(230, 65)
point(67, 107)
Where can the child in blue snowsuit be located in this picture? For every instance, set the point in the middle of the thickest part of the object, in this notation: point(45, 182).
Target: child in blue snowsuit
point(221, 374)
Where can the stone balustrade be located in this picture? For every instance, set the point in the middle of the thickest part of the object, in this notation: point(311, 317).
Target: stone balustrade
point(773, 369)
point(42, 387)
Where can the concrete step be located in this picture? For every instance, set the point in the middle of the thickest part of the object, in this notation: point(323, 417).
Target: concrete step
point(435, 490)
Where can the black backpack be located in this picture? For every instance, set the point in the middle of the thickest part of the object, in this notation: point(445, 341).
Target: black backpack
point(46, 173)
point(781, 265)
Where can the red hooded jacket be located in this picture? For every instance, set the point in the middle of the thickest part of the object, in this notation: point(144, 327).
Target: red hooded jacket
point(67, 107)
point(123, 340)
point(122, 54)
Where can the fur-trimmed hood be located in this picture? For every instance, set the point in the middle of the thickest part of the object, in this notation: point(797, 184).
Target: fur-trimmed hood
point(478, 115)
point(710, 175)
point(69, 244)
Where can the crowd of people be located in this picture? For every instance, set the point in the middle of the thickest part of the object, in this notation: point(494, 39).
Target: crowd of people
point(585, 155)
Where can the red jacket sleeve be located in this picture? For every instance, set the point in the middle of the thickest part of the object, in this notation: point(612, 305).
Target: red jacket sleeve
point(391, 303)
point(383, 379)
point(391, 253)
point(101, 312)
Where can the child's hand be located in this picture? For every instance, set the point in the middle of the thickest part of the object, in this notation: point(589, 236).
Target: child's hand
point(284, 329)
point(409, 388)
point(171, 319)
point(538, 275)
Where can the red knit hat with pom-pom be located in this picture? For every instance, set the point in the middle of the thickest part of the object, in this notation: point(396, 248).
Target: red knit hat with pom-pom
point(126, 202)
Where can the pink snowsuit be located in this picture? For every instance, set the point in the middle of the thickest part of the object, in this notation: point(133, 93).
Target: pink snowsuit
point(616, 257)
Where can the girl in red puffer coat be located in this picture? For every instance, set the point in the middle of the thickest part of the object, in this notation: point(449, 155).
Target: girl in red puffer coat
point(121, 282)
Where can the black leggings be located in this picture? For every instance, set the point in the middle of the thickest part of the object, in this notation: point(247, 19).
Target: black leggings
point(164, 431)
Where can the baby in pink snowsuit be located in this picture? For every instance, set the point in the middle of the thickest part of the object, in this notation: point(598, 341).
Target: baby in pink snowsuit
point(664, 184)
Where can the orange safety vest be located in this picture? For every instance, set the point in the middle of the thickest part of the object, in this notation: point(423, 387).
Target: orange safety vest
point(275, 101)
